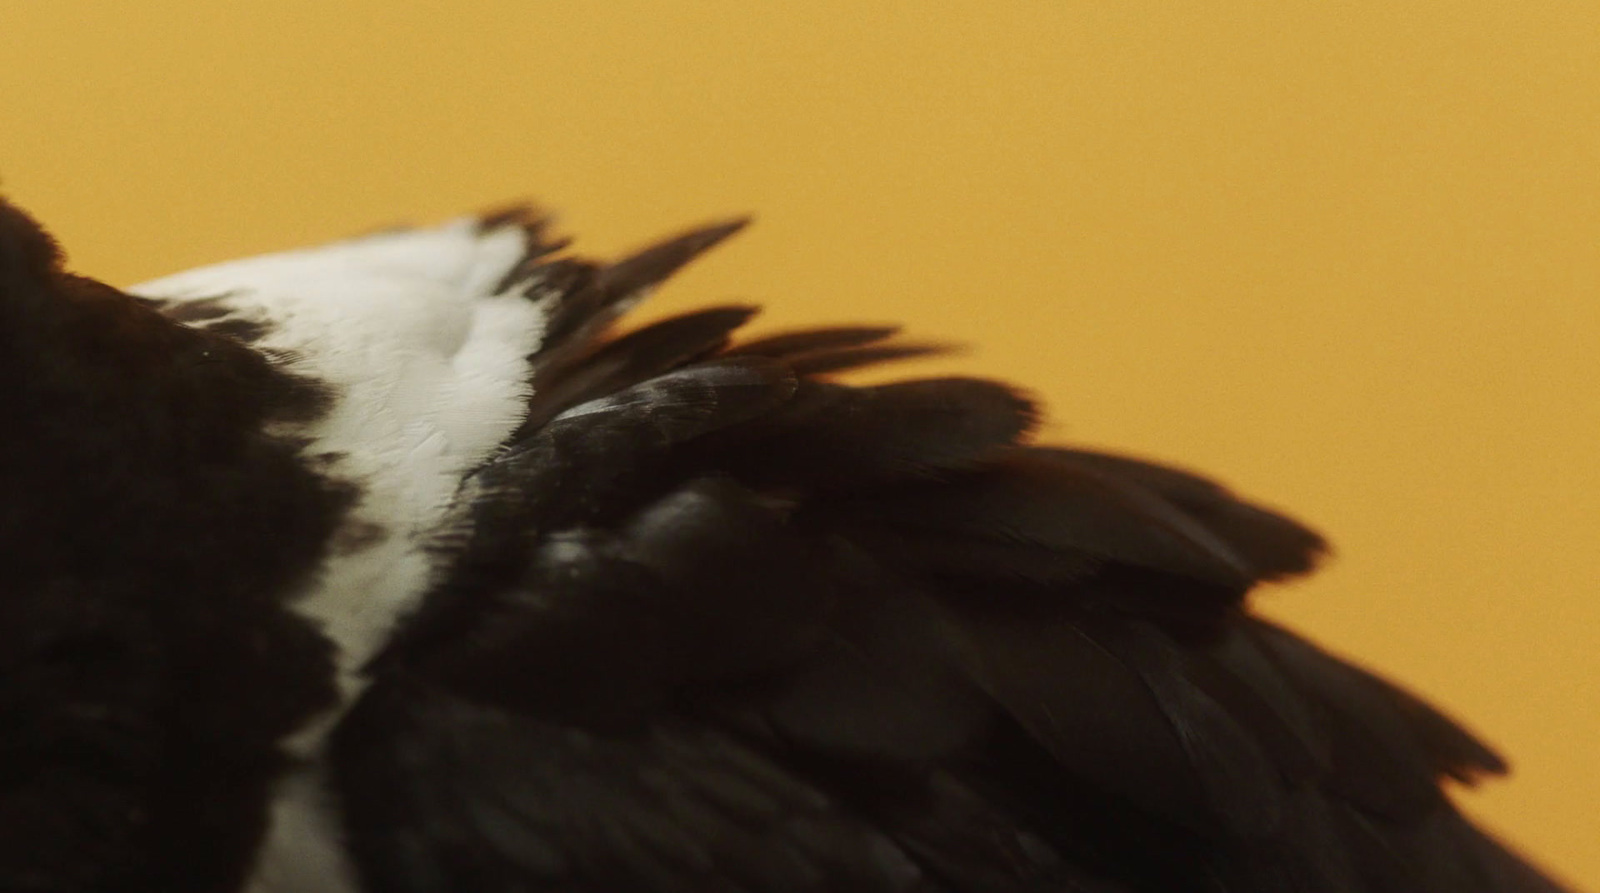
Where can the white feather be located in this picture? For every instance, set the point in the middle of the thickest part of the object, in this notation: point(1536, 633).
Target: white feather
point(427, 365)
point(303, 851)
point(428, 369)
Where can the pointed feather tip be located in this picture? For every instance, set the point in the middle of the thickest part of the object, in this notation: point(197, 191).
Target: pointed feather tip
point(812, 340)
point(829, 350)
point(521, 213)
point(829, 362)
point(533, 221)
point(710, 234)
point(653, 265)
point(1291, 550)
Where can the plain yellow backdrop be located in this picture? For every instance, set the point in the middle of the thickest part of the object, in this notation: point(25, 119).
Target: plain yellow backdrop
point(1344, 255)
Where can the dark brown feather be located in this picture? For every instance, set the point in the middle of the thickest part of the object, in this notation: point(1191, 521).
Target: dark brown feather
point(785, 345)
point(625, 361)
point(985, 665)
point(1272, 545)
point(825, 362)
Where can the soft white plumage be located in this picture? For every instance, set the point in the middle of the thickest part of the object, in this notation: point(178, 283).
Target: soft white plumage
point(427, 366)
point(426, 360)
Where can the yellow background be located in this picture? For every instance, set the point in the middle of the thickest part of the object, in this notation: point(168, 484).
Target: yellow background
point(1343, 255)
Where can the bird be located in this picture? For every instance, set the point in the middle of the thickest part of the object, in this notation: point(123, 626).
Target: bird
point(402, 565)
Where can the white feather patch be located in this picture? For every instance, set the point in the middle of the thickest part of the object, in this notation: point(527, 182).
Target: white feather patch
point(304, 849)
point(428, 370)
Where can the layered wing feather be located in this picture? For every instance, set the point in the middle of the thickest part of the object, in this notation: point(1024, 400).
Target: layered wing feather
point(712, 621)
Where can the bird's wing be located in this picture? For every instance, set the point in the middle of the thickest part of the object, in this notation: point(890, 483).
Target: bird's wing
point(713, 621)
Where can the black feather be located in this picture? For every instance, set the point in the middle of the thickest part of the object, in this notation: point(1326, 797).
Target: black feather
point(588, 297)
point(824, 362)
point(154, 531)
point(1272, 545)
point(999, 666)
point(790, 344)
point(831, 436)
point(621, 363)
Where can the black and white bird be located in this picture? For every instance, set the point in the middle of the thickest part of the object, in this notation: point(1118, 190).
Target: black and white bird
point(388, 566)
